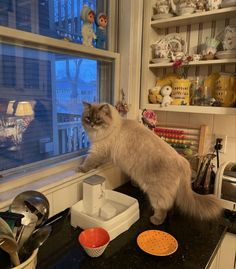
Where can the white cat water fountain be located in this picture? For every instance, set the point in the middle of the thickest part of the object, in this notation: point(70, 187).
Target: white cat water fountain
point(111, 210)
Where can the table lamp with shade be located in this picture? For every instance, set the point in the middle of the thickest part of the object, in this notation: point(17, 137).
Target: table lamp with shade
point(10, 109)
point(18, 111)
point(24, 108)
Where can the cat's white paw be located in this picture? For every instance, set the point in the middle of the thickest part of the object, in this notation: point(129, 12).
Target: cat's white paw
point(81, 169)
point(156, 221)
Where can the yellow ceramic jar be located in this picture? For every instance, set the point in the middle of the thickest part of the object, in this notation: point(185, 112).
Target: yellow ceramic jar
point(181, 91)
point(225, 92)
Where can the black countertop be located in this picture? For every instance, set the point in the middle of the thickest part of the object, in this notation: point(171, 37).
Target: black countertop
point(198, 242)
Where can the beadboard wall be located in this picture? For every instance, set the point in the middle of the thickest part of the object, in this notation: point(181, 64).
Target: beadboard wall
point(217, 124)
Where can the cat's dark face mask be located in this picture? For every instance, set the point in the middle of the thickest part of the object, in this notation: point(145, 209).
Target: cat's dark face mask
point(96, 116)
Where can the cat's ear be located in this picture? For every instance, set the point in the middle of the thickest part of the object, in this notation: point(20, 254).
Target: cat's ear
point(106, 109)
point(86, 105)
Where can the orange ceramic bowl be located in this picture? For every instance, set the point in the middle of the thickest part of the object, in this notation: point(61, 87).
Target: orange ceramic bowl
point(94, 241)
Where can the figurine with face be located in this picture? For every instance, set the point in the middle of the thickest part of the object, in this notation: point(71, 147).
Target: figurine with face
point(166, 92)
point(101, 22)
point(87, 15)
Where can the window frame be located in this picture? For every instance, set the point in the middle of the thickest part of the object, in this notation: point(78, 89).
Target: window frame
point(43, 43)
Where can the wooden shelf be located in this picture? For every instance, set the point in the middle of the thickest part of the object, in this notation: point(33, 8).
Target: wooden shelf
point(194, 109)
point(205, 16)
point(202, 62)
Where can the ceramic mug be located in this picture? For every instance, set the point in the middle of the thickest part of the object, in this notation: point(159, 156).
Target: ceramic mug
point(159, 51)
point(197, 57)
point(161, 54)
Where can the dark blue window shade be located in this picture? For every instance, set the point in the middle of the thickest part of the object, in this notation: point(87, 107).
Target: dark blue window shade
point(31, 77)
point(6, 6)
point(8, 71)
point(24, 18)
point(8, 66)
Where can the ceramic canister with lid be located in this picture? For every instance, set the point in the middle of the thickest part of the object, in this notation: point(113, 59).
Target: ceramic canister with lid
point(93, 194)
point(181, 91)
point(225, 91)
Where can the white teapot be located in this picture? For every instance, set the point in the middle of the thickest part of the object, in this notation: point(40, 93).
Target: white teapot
point(160, 53)
point(160, 49)
point(183, 7)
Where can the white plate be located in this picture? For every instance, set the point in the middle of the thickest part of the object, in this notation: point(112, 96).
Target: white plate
point(162, 16)
point(160, 60)
point(176, 42)
point(226, 54)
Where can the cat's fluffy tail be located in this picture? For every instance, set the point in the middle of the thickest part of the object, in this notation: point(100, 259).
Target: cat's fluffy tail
point(204, 207)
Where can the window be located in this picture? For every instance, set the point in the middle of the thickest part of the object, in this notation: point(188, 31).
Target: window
point(43, 81)
point(54, 18)
point(8, 69)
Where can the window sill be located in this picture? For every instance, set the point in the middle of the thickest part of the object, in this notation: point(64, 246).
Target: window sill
point(53, 178)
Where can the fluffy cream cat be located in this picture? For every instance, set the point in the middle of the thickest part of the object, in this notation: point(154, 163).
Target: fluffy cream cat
point(157, 168)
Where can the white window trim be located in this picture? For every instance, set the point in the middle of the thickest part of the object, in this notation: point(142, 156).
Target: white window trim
point(32, 40)
point(130, 48)
point(44, 179)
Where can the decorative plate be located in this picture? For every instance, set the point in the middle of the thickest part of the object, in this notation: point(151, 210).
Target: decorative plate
point(171, 44)
point(175, 43)
point(156, 242)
